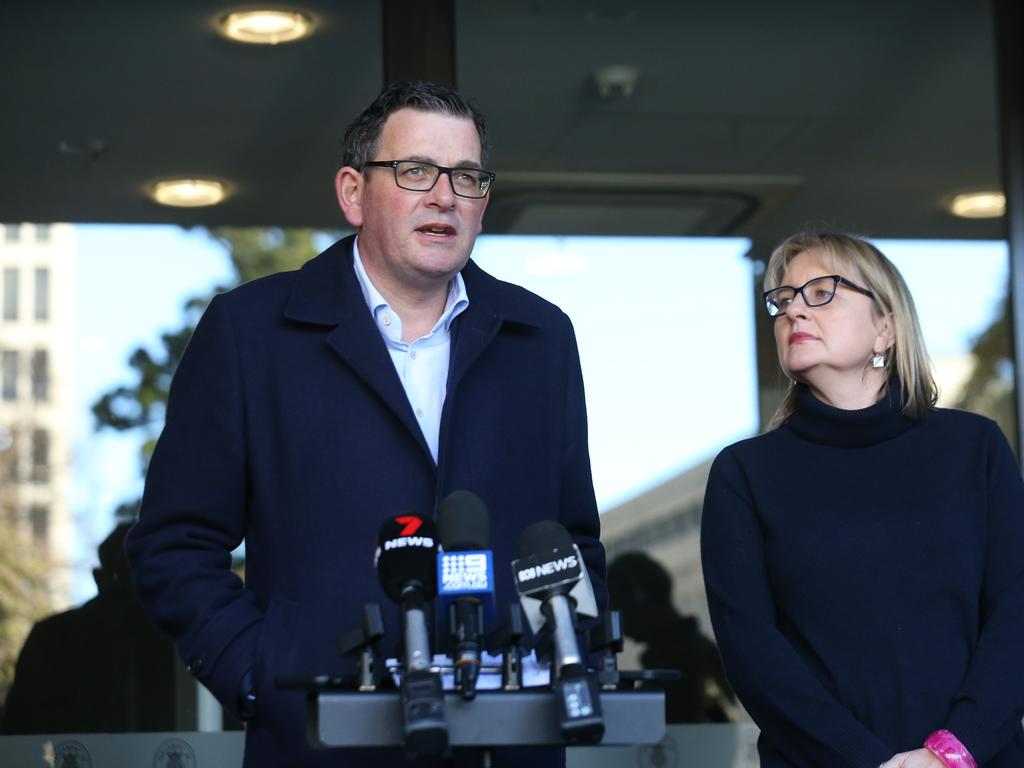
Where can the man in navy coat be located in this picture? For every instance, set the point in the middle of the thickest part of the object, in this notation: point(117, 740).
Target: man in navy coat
point(384, 374)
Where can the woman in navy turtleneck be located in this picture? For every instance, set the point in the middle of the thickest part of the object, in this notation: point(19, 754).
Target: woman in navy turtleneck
point(864, 558)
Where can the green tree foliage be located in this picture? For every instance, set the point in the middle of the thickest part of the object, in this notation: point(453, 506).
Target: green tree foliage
point(24, 589)
point(258, 252)
point(24, 595)
point(989, 389)
point(139, 405)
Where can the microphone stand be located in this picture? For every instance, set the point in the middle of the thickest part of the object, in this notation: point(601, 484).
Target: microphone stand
point(422, 693)
point(363, 641)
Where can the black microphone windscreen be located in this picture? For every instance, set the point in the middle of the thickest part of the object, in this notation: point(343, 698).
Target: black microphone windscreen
point(542, 537)
point(463, 522)
point(406, 553)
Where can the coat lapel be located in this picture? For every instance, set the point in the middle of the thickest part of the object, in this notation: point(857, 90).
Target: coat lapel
point(471, 333)
point(490, 306)
point(327, 293)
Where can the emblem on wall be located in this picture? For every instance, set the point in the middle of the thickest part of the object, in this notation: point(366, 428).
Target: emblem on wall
point(664, 754)
point(71, 754)
point(175, 753)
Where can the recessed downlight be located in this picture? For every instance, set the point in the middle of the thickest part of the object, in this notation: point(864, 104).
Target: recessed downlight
point(265, 26)
point(985, 204)
point(189, 193)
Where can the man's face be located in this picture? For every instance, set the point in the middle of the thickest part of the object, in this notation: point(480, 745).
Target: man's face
point(415, 240)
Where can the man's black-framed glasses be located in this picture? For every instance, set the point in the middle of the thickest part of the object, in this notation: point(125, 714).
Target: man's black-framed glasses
point(418, 176)
point(817, 293)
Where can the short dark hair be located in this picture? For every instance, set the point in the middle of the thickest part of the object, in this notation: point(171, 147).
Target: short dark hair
point(363, 135)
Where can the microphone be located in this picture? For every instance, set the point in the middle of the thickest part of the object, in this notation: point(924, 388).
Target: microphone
point(554, 586)
point(465, 573)
point(405, 560)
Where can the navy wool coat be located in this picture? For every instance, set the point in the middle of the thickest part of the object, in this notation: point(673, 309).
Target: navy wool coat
point(288, 427)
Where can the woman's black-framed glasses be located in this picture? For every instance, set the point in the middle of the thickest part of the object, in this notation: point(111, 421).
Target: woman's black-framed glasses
point(817, 293)
point(418, 176)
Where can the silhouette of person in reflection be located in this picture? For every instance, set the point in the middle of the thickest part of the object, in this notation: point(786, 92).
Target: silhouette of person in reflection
point(101, 667)
point(641, 589)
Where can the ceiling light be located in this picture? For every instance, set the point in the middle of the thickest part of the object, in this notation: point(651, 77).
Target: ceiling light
point(189, 193)
point(988, 204)
point(268, 27)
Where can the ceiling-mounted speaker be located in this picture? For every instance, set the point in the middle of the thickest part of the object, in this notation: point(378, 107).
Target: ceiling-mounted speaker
point(657, 205)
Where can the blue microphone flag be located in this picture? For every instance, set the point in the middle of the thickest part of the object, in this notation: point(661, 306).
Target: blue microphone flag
point(466, 573)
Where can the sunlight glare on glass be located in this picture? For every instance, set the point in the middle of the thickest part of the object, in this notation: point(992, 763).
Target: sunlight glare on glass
point(557, 263)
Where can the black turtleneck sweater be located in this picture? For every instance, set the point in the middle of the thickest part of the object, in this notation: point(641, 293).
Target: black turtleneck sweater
point(865, 575)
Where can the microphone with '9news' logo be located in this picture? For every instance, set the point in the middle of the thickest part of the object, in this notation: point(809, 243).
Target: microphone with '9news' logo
point(465, 578)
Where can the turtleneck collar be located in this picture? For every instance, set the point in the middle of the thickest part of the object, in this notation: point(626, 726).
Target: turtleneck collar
point(820, 423)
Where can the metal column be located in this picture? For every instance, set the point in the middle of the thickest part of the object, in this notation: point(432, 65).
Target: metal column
point(1009, 31)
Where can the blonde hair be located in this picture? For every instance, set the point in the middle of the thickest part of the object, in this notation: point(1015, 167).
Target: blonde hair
point(859, 261)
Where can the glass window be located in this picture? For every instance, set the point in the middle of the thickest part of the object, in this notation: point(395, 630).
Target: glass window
point(11, 233)
point(649, 415)
point(92, 357)
point(40, 456)
point(39, 522)
point(9, 374)
point(11, 293)
point(40, 375)
point(42, 233)
point(970, 346)
point(641, 309)
point(654, 317)
point(42, 291)
point(8, 467)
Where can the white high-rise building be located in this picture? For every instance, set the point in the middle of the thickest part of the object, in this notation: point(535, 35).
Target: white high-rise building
point(37, 355)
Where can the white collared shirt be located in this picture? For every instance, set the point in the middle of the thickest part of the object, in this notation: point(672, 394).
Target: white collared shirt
point(422, 364)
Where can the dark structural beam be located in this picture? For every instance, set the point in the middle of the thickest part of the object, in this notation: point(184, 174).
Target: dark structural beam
point(419, 40)
point(771, 381)
point(1009, 31)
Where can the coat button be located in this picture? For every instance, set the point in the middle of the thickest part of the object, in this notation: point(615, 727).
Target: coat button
point(195, 666)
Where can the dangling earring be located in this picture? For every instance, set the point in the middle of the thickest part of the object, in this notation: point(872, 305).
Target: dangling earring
point(878, 361)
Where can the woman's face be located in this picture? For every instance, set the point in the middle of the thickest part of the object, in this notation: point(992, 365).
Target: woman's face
point(830, 347)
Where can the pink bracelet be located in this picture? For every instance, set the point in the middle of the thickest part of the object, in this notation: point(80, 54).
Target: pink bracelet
point(947, 747)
